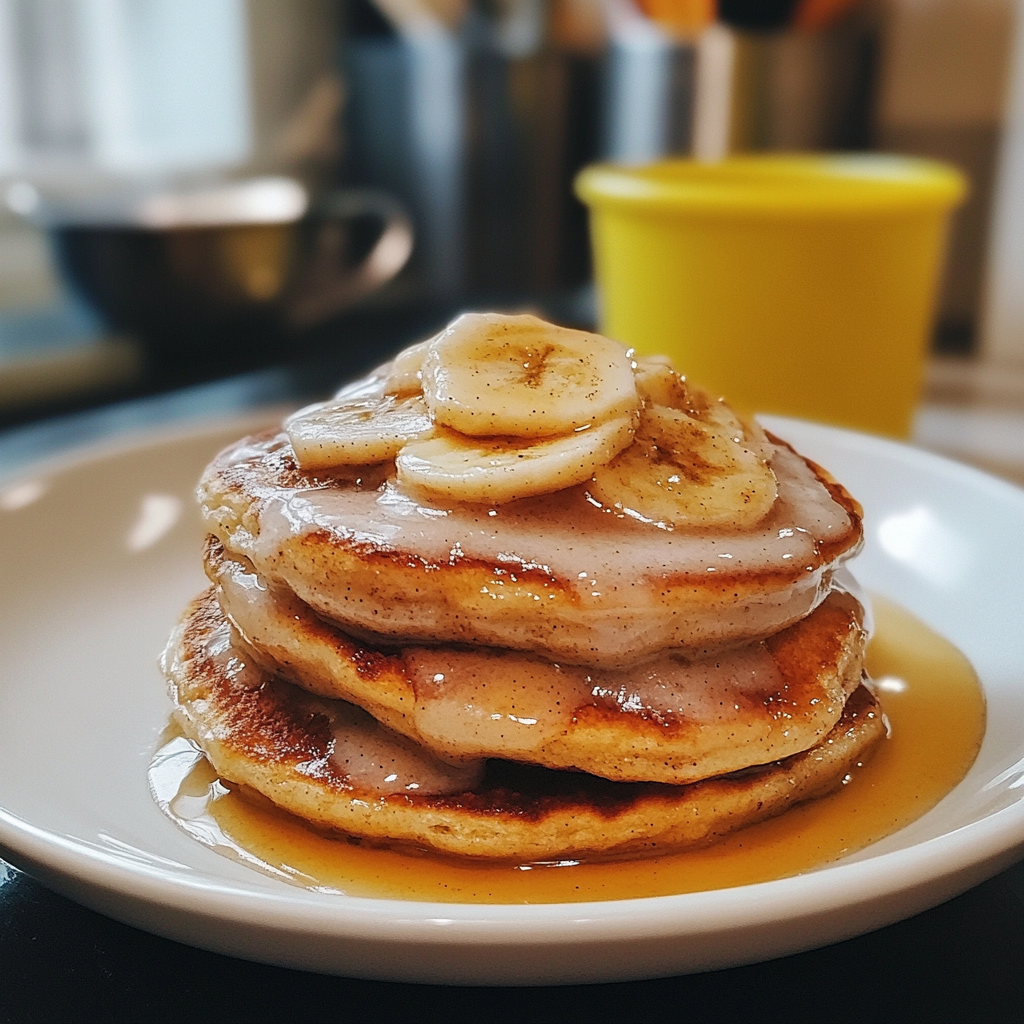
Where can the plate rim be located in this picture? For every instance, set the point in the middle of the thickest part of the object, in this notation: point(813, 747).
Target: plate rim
point(137, 438)
point(963, 856)
point(991, 830)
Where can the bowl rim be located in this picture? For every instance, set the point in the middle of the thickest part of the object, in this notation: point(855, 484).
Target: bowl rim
point(790, 186)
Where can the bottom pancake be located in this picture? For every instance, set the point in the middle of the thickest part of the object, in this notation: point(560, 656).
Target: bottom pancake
point(336, 767)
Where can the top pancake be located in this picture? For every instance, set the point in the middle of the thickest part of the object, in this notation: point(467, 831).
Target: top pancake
point(553, 575)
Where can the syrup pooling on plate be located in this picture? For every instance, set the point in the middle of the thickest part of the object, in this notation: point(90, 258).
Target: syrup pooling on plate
point(928, 691)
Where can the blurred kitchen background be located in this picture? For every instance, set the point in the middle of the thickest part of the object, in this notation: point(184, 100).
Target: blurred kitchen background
point(129, 268)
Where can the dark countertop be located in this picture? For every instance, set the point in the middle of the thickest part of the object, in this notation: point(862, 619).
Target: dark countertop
point(61, 962)
point(958, 962)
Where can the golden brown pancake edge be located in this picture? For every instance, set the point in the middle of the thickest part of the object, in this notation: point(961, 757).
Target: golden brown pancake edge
point(264, 737)
point(819, 660)
point(453, 600)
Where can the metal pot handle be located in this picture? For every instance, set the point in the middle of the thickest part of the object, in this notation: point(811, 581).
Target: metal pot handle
point(327, 287)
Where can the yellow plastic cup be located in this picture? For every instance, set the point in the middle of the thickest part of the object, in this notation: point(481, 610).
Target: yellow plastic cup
point(801, 285)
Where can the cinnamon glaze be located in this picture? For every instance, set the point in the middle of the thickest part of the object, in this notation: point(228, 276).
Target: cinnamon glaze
point(554, 575)
point(928, 691)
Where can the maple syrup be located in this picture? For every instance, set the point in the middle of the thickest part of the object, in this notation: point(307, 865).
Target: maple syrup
point(928, 691)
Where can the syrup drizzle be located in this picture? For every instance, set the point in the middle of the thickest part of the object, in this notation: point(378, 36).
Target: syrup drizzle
point(929, 693)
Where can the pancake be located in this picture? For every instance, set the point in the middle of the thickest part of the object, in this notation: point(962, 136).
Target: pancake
point(668, 720)
point(336, 767)
point(553, 575)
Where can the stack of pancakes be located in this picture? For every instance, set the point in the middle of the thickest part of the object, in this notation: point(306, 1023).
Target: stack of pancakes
point(541, 677)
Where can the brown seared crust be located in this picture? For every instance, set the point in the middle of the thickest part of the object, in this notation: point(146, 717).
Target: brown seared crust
point(261, 720)
point(264, 734)
point(373, 587)
point(850, 543)
point(374, 678)
point(820, 660)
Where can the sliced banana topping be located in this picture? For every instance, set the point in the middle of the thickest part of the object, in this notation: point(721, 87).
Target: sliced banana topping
point(682, 470)
point(497, 408)
point(365, 387)
point(658, 383)
point(403, 373)
point(517, 376)
point(356, 429)
point(451, 466)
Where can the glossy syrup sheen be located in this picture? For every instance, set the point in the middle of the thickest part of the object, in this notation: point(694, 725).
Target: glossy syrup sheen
point(929, 693)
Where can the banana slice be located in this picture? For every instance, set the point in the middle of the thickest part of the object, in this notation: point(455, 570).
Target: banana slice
point(657, 383)
point(489, 375)
point(357, 430)
point(682, 471)
point(496, 470)
point(403, 373)
point(364, 388)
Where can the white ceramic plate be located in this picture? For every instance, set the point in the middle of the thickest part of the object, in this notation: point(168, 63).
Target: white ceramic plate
point(97, 558)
